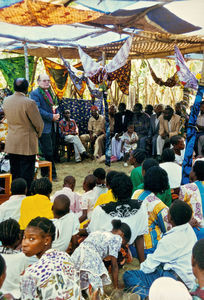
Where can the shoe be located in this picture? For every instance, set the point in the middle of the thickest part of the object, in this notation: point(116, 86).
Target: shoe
point(84, 155)
point(55, 179)
point(77, 161)
point(125, 164)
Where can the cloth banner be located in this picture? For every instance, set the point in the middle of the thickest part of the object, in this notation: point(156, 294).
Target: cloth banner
point(170, 82)
point(80, 111)
point(14, 67)
point(191, 136)
point(122, 76)
point(186, 78)
point(58, 76)
point(92, 67)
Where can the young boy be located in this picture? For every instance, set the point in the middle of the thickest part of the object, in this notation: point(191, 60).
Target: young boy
point(100, 187)
point(172, 257)
point(66, 224)
point(11, 208)
point(68, 190)
point(88, 199)
point(198, 270)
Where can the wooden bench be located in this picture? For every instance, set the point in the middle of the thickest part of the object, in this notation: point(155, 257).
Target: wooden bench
point(45, 164)
point(7, 186)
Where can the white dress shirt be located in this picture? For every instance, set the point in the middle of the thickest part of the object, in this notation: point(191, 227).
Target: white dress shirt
point(174, 251)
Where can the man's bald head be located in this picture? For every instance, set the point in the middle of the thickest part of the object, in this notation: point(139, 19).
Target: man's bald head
point(21, 85)
point(61, 206)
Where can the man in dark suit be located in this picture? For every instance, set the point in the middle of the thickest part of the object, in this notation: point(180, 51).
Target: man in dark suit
point(154, 128)
point(25, 126)
point(44, 100)
point(122, 118)
point(141, 122)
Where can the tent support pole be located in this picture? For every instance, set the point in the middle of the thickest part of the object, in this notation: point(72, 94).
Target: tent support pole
point(26, 61)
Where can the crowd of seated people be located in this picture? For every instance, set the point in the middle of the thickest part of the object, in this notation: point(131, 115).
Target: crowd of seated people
point(118, 218)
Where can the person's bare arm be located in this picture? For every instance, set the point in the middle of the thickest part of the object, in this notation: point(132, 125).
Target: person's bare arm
point(84, 216)
point(114, 271)
point(139, 245)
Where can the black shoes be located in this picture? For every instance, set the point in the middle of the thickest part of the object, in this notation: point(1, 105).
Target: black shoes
point(84, 155)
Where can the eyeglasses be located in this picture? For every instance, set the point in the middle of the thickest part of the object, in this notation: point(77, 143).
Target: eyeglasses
point(45, 80)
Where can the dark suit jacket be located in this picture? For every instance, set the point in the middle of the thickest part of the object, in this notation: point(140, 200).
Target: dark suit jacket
point(153, 130)
point(119, 126)
point(44, 108)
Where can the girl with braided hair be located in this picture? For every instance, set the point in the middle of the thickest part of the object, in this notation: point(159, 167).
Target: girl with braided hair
point(53, 276)
point(16, 261)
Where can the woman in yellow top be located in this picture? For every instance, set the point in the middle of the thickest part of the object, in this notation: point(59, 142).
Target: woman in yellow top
point(38, 205)
point(108, 196)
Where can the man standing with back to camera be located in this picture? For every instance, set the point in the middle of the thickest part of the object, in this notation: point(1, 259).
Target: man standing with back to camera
point(25, 125)
point(44, 100)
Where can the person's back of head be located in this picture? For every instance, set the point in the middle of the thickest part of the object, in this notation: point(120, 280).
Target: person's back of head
point(2, 270)
point(89, 183)
point(61, 206)
point(197, 172)
point(139, 155)
point(156, 180)
point(21, 85)
point(10, 233)
point(180, 213)
point(198, 260)
point(148, 163)
point(43, 186)
point(69, 181)
point(109, 178)
point(121, 186)
point(168, 155)
point(100, 175)
point(19, 187)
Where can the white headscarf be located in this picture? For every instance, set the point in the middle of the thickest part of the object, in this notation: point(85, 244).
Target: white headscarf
point(166, 288)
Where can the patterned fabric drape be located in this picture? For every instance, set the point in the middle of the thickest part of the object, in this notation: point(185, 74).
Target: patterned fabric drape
point(171, 82)
point(191, 136)
point(14, 67)
point(58, 76)
point(186, 78)
point(122, 76)
point(80, 111)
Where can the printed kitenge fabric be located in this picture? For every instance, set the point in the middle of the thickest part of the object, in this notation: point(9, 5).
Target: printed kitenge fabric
point(80, 111)
point(58, 75)
point(121, 75)
point(52, 277)
point(14, 67)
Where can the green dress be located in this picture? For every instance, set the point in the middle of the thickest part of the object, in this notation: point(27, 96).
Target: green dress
point(136, 178)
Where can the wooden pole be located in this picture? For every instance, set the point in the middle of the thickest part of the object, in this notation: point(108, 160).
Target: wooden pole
point(26, 61)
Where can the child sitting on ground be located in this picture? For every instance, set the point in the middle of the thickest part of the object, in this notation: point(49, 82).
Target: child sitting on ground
point(172, 257)
point(88, 199)
point(129, 142)
point(68, 190)
point(136, 159)
point(198, 269)
point(66, 224)
point(11, 208)
point(100, 187)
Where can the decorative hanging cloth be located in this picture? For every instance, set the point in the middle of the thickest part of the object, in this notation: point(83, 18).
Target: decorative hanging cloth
point(186, 78)
point(58, 76)
point(14, 67)
point(171, 82)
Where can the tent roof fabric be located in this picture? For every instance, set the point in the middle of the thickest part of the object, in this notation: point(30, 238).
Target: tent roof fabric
point(35, 13)
point(144, 45)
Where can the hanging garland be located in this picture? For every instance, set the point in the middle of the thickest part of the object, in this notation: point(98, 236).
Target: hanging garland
point(171, 82)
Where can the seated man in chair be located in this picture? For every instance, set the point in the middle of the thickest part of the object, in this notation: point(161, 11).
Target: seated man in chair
point(69, 130)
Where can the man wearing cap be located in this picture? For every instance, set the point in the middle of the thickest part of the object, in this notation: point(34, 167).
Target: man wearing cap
point(69, 131)
point(96, 128)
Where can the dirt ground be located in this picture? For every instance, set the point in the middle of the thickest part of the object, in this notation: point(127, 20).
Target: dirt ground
point(82, 169)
